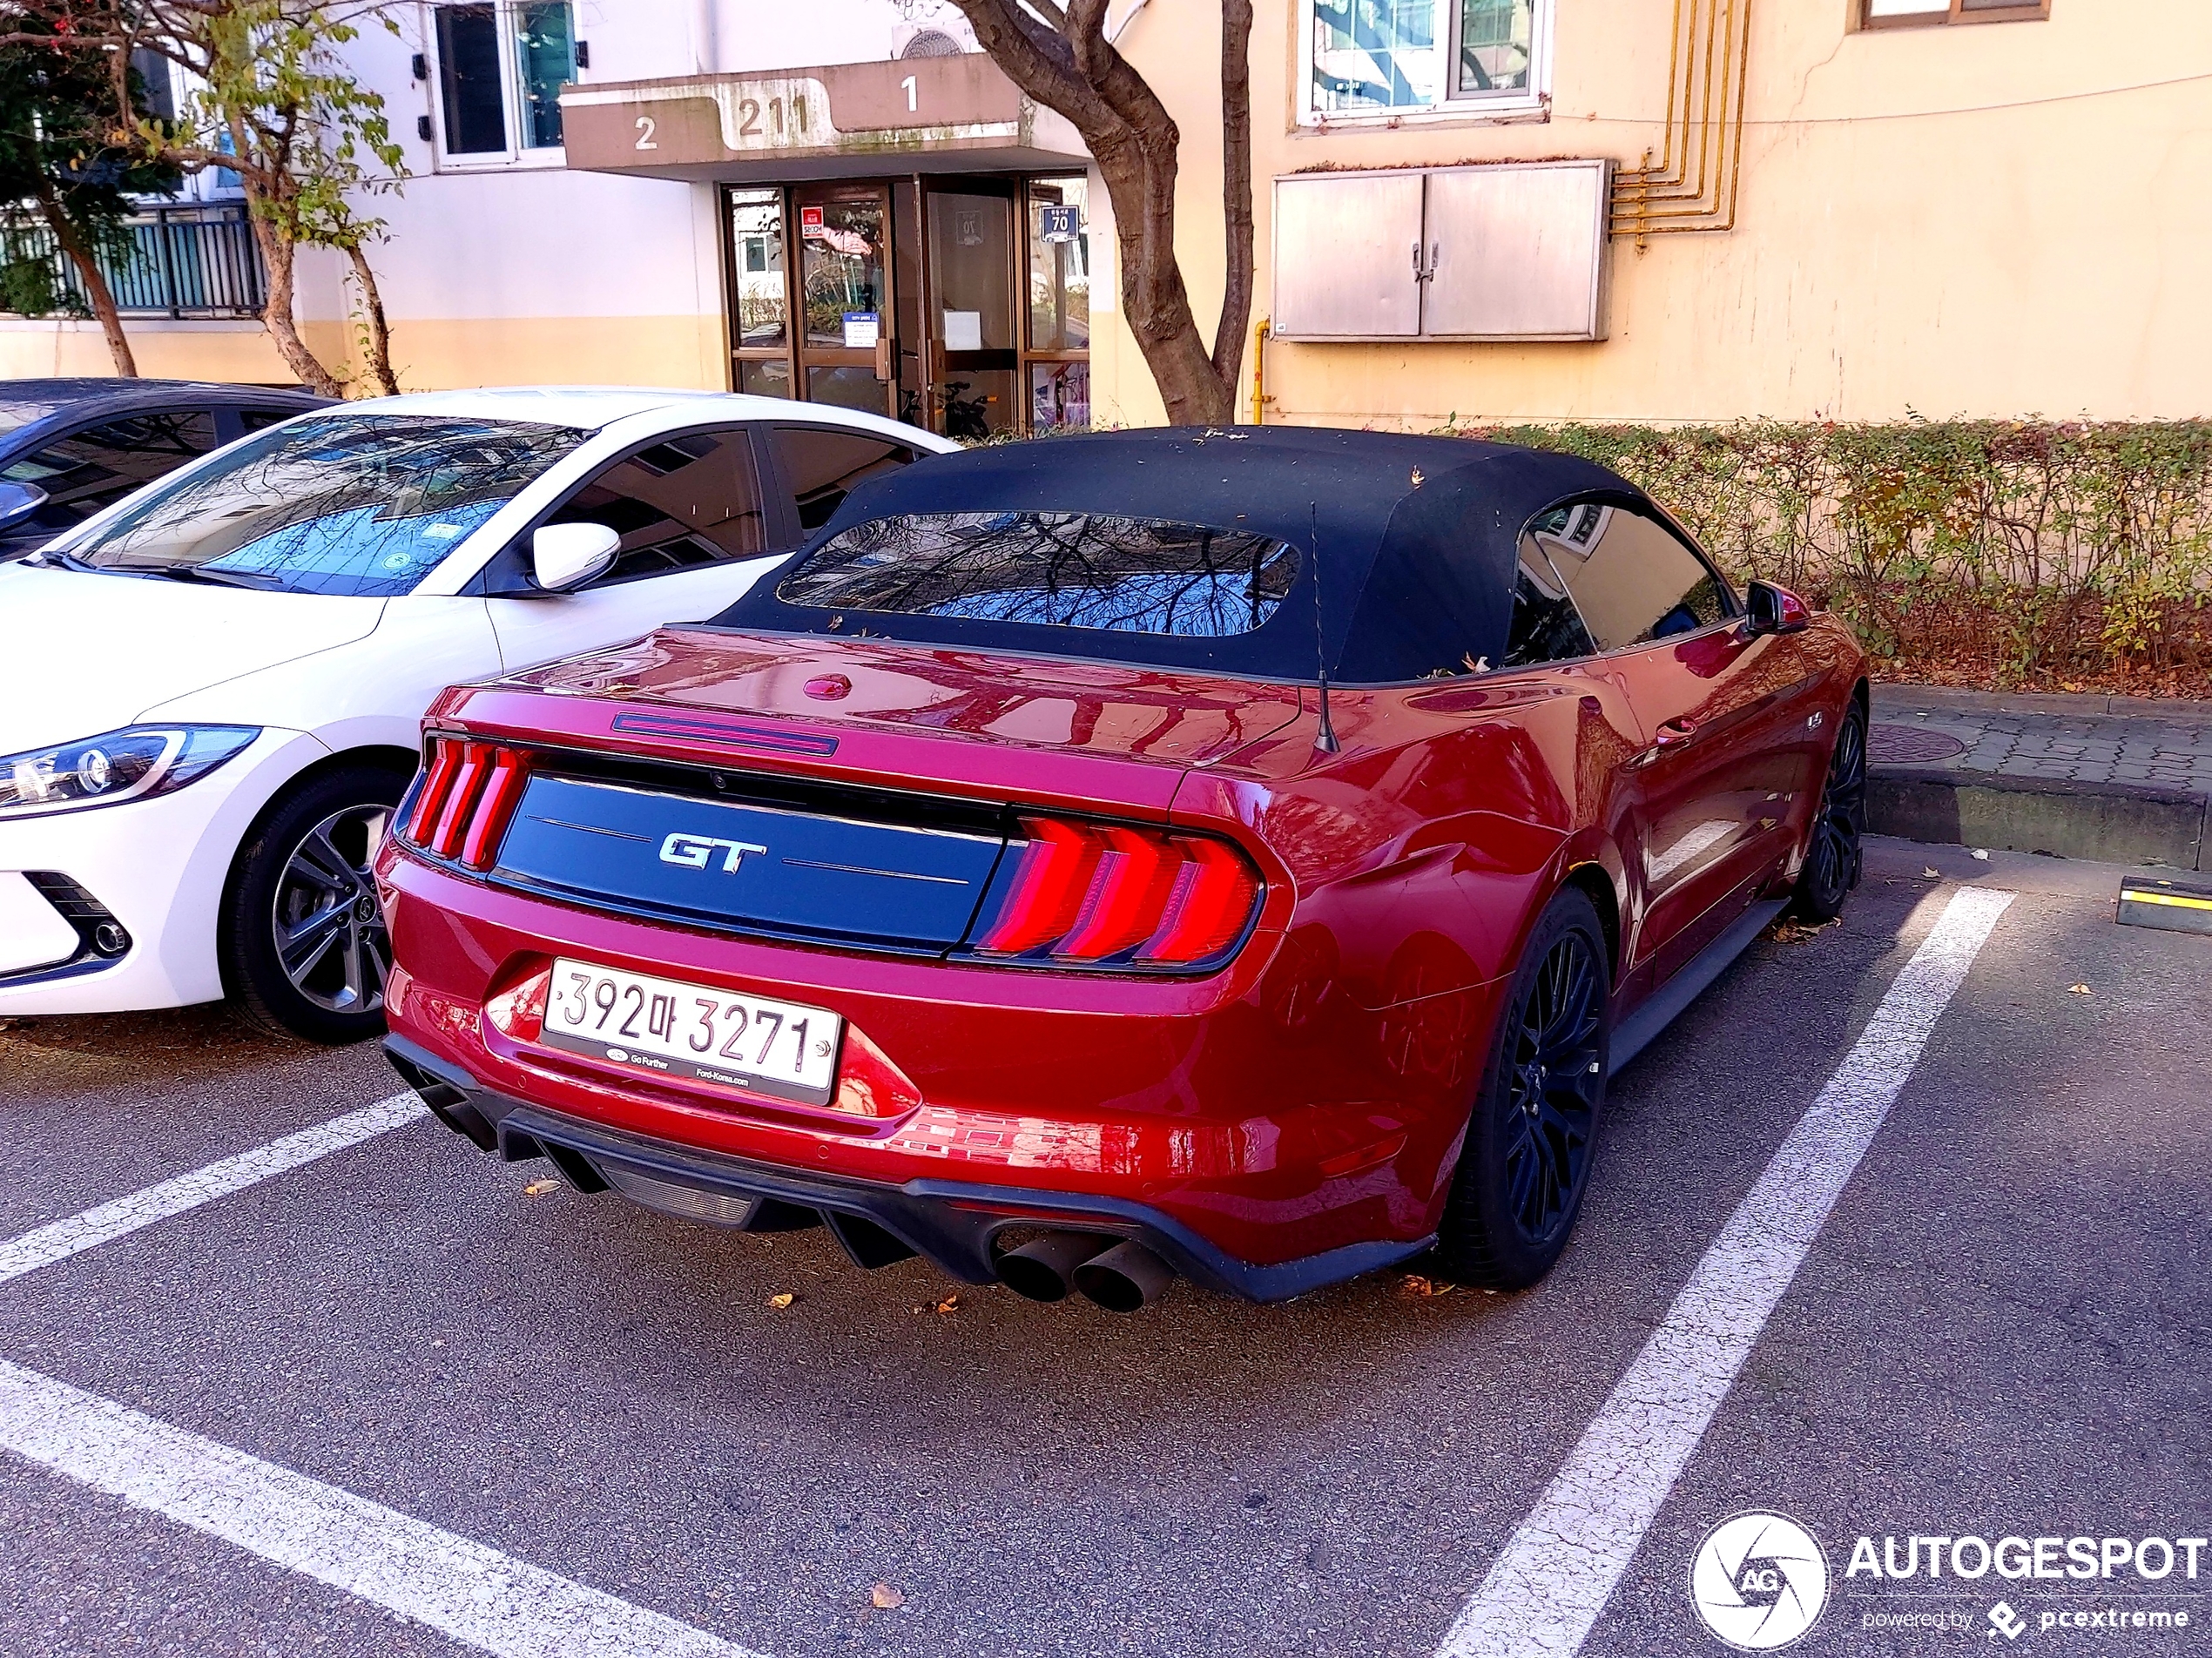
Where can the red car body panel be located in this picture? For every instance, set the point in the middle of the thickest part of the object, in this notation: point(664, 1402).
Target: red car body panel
point(1308, 1096)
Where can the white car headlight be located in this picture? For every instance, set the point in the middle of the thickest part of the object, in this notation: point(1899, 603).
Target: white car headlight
point(102, 770)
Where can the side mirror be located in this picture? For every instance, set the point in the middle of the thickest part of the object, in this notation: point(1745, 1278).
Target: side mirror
point(1769, 608)
point(563, 557)
point(18, 501)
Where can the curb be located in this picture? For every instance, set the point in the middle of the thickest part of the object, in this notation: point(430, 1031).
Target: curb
point(1908, 699)
point(2113, 823)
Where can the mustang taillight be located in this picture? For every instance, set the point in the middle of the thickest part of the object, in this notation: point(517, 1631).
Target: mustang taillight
point(1096, 894)
point(468, 793)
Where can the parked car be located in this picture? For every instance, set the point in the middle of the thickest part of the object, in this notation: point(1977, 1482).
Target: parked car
point(211, 694)
point(1002, 880)
point(69, 448)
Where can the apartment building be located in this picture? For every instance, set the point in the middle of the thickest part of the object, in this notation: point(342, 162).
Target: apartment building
point(1647, 209)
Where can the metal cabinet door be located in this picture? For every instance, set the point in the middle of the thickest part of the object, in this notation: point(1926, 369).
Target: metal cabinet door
point(1517, 253)
point(1347, 256)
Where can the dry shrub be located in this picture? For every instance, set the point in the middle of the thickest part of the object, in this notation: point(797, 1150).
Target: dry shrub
point(2031, 554)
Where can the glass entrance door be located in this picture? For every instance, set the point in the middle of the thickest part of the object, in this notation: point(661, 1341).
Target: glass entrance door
point(973, 322)
point(960, 304)
point(760, 303)
point(844, 354)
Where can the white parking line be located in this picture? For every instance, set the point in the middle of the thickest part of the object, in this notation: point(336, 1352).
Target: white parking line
point(431, 1577)
point(1545, 1590)
point(61, 1239)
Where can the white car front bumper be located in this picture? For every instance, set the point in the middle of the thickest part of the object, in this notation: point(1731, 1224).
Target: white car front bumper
point(158, 865)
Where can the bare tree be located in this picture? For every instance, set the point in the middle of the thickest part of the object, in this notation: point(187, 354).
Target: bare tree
point(1060, 57)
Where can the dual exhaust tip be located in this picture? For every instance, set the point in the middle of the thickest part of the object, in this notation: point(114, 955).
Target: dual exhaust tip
point(1117, 1274)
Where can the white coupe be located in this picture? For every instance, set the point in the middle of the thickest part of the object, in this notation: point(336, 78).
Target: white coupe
point(209, 692)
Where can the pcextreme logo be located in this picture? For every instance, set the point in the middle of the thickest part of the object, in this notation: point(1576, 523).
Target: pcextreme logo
point(1759, 1581)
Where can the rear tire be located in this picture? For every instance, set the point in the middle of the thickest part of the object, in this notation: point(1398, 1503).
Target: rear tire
point(1534, 1130)
point(1833, 854)
point(304, 949)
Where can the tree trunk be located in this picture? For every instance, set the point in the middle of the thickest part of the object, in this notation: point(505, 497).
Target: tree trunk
point(1236, 193)
point(95, 281)
point(278, 253)
point(1141, 184)
point(376, 332)
point(1073, 69)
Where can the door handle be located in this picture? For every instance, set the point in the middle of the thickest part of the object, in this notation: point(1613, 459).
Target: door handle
point(1674, 734)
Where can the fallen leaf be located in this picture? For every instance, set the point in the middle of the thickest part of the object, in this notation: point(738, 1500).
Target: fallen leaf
point(783, 1300)
point(1416, 1287)
point(950, 1303)
point(2078, 990)
point(539, 1188)
point(1931, 875)
point(885, 1596)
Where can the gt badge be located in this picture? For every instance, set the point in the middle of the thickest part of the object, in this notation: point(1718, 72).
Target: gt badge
point(696, 852)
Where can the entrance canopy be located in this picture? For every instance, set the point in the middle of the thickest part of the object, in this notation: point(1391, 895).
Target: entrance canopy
point(839, 121)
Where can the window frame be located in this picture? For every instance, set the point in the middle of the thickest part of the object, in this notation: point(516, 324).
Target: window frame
point(1862, 16)
point(506, 28)
point(1532, 102)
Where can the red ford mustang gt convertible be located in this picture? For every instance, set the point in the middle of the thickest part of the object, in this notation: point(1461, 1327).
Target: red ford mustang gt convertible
point(1242, 855)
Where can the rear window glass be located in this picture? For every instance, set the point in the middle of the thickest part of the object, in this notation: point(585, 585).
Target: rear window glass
point(1052, 570)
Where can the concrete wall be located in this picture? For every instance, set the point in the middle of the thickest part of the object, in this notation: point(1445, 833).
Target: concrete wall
point(1998, 219)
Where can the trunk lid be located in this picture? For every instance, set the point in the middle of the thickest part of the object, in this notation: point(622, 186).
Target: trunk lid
point(843, 791)
point(972, 724)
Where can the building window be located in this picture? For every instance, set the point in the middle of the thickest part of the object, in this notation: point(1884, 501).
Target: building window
point(1386, 59)
point(500, 69)
point(1892, 14)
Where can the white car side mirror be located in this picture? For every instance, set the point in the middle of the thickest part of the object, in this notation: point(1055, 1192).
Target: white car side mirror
point(567, 556)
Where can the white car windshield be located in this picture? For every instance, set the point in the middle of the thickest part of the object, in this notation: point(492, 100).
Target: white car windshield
point(362, 505)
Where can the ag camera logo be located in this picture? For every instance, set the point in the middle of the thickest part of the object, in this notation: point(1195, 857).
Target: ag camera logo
point(1759, 1581)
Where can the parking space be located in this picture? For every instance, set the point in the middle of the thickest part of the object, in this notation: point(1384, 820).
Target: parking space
point(2000, 1329)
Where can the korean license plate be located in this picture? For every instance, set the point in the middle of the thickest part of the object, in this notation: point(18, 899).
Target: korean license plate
point(677, 1029)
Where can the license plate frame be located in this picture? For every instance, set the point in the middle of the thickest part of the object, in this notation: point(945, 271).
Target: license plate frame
point(638, 1037)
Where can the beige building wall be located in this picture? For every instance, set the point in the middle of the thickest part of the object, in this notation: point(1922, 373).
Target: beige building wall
point(2000, 219)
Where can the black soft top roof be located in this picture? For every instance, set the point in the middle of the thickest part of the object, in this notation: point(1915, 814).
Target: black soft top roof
point(1416, 539)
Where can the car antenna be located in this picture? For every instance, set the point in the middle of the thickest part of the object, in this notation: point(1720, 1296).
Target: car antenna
point(1325, 738)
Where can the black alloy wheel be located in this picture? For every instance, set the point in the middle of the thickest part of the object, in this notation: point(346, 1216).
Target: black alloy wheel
point(304, 946)
point(1534, 1131)
point(1833, 858)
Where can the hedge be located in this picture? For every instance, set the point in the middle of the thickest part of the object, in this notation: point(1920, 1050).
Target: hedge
point(2035, 554)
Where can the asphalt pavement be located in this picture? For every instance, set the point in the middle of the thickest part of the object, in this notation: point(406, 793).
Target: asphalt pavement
point(2000, 1330)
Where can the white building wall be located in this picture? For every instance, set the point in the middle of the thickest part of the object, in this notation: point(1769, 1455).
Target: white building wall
point(520, 271)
